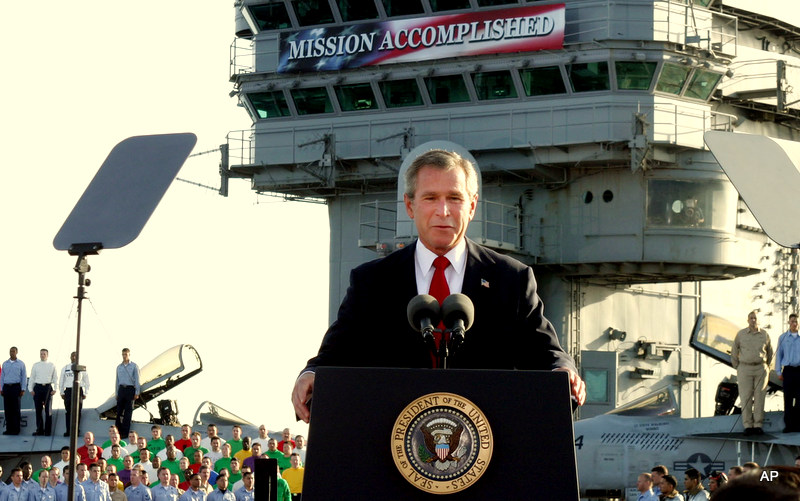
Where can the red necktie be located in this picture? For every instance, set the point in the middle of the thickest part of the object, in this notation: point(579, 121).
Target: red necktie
point(440, 290)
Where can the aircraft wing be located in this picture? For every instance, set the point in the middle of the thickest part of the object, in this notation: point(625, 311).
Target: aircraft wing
point(791, 439)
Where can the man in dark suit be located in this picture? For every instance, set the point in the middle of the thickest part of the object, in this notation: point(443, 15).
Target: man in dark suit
point(509, 331)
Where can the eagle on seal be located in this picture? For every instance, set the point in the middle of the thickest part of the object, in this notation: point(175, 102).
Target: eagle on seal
point(439, 446)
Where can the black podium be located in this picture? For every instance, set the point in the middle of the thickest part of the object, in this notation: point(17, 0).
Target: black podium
point(368, 437)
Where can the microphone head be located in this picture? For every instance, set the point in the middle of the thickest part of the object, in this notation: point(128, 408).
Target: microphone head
point(458, 307)
point(422, 307)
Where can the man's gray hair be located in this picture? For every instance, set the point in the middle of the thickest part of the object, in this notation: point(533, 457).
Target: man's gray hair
point(444, 160)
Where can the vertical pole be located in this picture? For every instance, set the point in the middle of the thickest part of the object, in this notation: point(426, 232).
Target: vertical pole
point(81, 267)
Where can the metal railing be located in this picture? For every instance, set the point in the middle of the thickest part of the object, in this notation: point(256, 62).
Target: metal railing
point(499, 224)
point(242, 57)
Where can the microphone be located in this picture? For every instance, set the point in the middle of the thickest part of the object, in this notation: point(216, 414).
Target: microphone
point(423, 314)
point(458, 312)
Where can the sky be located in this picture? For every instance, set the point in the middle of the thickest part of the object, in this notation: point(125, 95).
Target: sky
point(79, 77)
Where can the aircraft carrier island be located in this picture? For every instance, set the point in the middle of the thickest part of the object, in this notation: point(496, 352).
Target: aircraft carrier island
point(586, 121)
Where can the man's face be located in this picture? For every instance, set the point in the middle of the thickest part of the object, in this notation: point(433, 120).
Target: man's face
point(45, 462)
point(198, 457)
point(287, 435)
point(43, 355)
point(94, 473)
point(171, 453)
point(226, 450)
point(207, 463)
point(237, 433)
point(81, 469)
point(115, 451)
point(113, 434)
point(65, 455)
point(205, 473)
point(88, 438)
point(92, 451)
point(112, 483)
point(195, 482)
point(126, 356)
point(174, 480)
point(12, 353)
point(135, 478)
point(295, 460)
point(272, 444)
point(133, 437)
point(287, 449)
point(142, 442)
point(752, 320)
point(222, 482)
point(246, 443)
point(16, 477)
point(300, 441)
point(793, 328)
point(257, 450)
point(215, 444)
point(211, 430)
point(144, 456)
point(234, 466)
point(163, 476)
point(185, 431)
point(127, 462)
point(247, 478)
point(657, 479)
point(196, 441)
point(441, 208)
point(666, 487)
point(156, 433)
point(43, 476)
point(262, 431)
point(689, 483)
point(73, 357)
point(54, 476)
point(27, 471)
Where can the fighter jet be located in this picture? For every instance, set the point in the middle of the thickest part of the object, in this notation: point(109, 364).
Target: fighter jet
point(166, 371)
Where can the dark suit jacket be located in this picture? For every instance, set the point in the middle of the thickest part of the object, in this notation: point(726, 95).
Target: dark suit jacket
point(509, 330)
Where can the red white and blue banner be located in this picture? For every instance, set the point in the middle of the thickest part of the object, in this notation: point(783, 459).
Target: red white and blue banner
point(520, 29)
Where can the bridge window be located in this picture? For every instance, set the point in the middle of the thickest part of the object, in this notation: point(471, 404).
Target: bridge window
point(634, 75)
point(691, 204)
point(312, 101)
point(489, 3)
point(311, 12)
point(672, 78)
point(402, 7)
point(447, 89)
point(543, 81)
point(269, 104)
point(355, 97)
point(702, 84)
point(270, 16)
point(494, 85)
point(440, 5)
point(400, 93)
point(586, 77)
point(357, 10)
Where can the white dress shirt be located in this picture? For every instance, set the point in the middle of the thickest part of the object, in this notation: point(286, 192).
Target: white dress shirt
point(423, 267)
point(43, 373)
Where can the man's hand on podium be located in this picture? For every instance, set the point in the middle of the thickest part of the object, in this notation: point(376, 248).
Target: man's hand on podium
point(303, 388)
point(576, 385)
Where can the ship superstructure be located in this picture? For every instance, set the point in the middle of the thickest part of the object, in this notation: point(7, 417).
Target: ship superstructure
point(586, 121)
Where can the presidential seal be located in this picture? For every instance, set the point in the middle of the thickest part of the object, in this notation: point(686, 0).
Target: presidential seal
point(442, 443)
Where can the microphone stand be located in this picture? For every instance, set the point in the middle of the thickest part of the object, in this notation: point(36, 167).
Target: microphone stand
point(444, 351)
